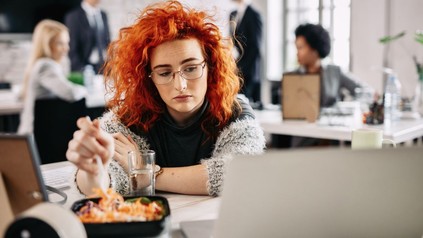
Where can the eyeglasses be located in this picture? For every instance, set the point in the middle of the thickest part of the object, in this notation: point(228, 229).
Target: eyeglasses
point(188, 72)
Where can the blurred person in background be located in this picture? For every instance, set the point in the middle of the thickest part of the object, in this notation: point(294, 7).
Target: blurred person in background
point(313, 45)
point(89, 35)
point(45, 76)
point(246, 31)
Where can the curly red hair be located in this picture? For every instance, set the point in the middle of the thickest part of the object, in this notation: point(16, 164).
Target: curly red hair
point(136, 100)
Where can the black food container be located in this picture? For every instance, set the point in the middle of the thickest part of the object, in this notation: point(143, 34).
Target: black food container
point(127, 229)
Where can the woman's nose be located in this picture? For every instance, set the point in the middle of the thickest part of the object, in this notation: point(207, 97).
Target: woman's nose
point(179, 82)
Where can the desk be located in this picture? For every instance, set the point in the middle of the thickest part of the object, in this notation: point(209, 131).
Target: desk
point(11, 108)
point(183, 207)
point(271, 122)
point(92, 100)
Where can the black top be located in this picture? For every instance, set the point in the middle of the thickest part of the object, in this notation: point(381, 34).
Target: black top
point(177, 146)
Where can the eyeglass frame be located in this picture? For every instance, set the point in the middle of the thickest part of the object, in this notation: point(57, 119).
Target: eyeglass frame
point(172, 77)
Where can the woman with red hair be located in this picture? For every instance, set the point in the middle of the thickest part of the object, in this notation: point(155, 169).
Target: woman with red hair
point(174, 84)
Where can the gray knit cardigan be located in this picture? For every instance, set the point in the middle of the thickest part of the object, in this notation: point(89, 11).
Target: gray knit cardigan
point(241, 137)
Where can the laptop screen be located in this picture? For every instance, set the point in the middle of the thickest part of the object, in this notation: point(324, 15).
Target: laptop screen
point(20, 171)
point(324, 193)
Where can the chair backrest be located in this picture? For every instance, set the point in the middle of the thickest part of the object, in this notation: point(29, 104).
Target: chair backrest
point(54, 125)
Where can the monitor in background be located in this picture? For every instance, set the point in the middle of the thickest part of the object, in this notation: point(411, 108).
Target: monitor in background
point(324, 193)
point(19, 17)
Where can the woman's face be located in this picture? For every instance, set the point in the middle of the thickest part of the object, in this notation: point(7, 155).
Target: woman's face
point(305, 54)
point(59, 46)
point(183, 97)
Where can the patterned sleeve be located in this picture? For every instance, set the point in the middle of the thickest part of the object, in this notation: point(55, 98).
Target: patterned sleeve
point(242, 137)
point(119, 177)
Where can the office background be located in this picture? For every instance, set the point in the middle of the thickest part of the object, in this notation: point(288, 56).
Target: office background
point(364, 57)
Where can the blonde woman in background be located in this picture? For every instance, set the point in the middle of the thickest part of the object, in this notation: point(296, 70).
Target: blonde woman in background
point(45, 77)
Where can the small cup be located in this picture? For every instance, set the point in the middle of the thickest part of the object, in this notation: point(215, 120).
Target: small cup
point(367, 138)
point(141, 173)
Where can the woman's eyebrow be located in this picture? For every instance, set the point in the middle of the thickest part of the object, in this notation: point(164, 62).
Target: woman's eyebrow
point(189, 59)
point(163, 66)
point(170, 66)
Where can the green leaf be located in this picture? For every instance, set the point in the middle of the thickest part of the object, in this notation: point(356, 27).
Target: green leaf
point(388, 39)
point(419, 37)
point(132, 200)
point(145, 201)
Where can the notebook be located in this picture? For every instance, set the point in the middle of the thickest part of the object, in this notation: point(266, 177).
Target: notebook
point(300, 96)
point(323, 193)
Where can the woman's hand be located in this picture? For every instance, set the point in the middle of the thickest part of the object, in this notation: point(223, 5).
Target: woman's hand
point(87, 143)
point(123, 145)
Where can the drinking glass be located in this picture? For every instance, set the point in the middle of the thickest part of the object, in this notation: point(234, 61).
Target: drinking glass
point(141, 172)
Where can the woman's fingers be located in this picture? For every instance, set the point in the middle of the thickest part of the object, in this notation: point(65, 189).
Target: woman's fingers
point(88, 142)
point(82, 163)
point(102, 138)
point(85, 124)
point(120, 137)
point(83, 151)
point(132, 141)
point(126, 141)
point(122, 146)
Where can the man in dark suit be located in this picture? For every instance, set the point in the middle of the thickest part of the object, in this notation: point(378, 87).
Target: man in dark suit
point(247, 34)
point(89, 35)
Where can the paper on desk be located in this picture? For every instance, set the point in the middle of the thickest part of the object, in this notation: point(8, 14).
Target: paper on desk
point(58, 178)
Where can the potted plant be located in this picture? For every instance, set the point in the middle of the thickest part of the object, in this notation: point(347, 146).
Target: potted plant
point(418, 37)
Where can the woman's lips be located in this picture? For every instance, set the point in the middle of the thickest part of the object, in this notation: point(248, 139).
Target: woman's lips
point(182, 97)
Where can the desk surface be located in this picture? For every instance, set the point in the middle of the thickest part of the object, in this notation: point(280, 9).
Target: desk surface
point(10, 107)
point(183, 207)
point(97, 98)
point(271, 122)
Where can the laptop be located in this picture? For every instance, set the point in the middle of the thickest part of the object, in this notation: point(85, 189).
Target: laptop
point(300, 96)
point(322, 193)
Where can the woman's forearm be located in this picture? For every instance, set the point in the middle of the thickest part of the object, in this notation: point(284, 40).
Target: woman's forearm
point(185, 180)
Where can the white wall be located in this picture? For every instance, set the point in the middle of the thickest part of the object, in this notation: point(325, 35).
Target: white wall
point(123, 12)
point(368, 25)
point(370, 21)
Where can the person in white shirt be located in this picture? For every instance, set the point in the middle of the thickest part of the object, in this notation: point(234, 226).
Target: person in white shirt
point(45, 77)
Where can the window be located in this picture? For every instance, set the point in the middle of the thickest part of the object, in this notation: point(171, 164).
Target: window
point(333, 15)
point(274, 38)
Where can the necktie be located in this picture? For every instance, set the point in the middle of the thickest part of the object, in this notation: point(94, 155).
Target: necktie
point(99, 35)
